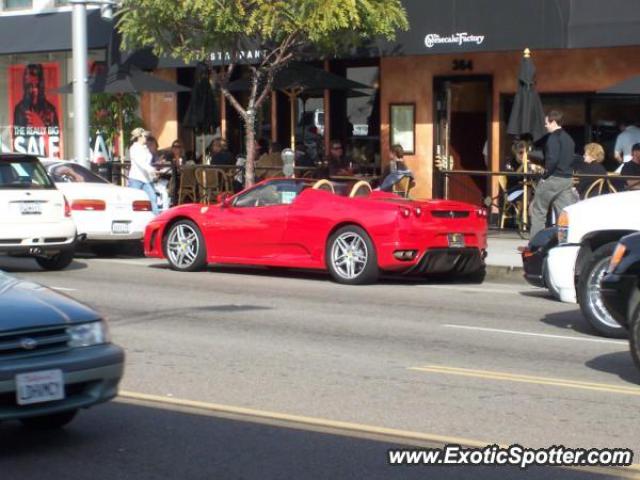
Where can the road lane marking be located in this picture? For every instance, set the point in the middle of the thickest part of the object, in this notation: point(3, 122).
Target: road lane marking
point(64, 289)
point(532, 334)
point(510, 377)
point(382, 434)
point(300, 419)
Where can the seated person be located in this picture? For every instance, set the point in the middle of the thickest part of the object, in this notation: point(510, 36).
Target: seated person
point(398, 169)
point(219, 153)
point(270, 165)
point(337, 163)
point(632, 168)
point(590, 164)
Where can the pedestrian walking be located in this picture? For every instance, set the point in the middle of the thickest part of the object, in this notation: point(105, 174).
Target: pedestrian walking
point(142, 173)
point(555, 187)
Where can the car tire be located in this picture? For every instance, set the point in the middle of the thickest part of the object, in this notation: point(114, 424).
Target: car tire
point(351, 257)
point(184, 247)
point(56, 262)
point(49, 422)
point(476, 277)
point(589, 295)
point(634, 336)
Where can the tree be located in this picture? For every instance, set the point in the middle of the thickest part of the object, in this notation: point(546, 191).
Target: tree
point(110, 112)
point(281, 29)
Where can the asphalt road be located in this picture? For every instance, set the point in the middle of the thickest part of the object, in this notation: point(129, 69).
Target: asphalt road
point(275, 359)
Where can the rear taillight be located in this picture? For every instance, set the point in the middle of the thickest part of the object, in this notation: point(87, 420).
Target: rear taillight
point(405, 212)
point(481, 212)
point(417, 211)
point(89, 205)
point(67, 208)
point(142, 206)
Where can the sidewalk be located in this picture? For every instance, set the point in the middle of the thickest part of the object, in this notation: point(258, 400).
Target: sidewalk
point(503, 259)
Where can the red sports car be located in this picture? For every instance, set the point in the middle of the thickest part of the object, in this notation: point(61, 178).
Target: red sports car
point(302, 223)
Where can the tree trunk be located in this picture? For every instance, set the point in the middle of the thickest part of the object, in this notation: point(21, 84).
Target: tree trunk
point(250, 146)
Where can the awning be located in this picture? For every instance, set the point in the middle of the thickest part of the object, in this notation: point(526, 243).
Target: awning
point(49, 32)
point(459, 26)
point(452, 26)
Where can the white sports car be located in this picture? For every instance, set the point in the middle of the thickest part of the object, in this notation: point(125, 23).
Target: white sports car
point(106, 215)
point(35, 218)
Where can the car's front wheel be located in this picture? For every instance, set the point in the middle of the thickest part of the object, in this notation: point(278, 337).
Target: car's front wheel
point(49, 422)
point(634, 336)
point(590, 296)
point(185, 248)
point(59, 261)
point(351, 256)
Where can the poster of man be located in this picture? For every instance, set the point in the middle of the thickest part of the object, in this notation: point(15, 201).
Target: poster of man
point(36, 127)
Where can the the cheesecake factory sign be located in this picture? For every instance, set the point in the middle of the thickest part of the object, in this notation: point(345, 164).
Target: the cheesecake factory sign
point(461, 38)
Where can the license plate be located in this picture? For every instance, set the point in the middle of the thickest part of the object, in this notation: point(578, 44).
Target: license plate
point(38, 387)
point(456, 240)
point(30, 208)
point(120, 227)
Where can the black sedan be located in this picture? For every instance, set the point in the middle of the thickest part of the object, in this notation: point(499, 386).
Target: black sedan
point(621, 289)
point(534, 258)
point(56, 356)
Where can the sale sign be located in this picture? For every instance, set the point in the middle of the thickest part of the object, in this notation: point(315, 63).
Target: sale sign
point(36, 126)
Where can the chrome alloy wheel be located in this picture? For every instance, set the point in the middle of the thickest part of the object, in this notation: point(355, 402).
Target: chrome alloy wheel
point(183, 246)
point(596, 304)
point(349, 255)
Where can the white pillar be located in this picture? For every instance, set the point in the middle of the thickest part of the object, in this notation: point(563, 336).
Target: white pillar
point(80, 84)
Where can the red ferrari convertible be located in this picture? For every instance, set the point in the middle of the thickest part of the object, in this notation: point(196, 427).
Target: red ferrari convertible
point(302, 223)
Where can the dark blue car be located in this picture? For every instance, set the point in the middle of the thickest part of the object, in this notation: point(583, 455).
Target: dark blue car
point(56, 356)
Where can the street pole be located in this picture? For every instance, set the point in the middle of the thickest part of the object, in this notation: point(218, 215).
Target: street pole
point(81, 74)
point(80, 84)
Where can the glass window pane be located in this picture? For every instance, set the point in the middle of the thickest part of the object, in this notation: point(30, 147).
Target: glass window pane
point(17, 4)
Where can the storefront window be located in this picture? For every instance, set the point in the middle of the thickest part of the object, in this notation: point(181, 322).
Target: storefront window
point(17, 4)
point(587, 118)
point(34, 118)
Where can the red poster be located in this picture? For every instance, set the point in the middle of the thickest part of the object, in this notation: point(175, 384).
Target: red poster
point(36, 121)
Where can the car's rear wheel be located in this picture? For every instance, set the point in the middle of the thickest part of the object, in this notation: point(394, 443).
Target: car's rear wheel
point(49, 422)
point(59, 261)
point(351, 256)
point(185, 248)
point(590, 296)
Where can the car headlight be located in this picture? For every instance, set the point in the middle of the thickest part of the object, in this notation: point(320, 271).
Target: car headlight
point(88, 334)
point(563, 228)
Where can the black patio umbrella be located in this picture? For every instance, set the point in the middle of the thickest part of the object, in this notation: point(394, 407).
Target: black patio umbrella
point(630, 86)
point(527, 114)
point(202, 113)
point(121, 78)
point(297, 78)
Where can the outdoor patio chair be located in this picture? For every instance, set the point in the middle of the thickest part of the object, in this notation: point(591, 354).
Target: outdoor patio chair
point(403, 187)
point(360, 189)
point(211, 182)
point(188, 187)
point(598, 187)
point(324, 185)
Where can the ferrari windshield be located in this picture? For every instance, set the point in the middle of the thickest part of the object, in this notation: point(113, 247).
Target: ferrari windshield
point(23, 173)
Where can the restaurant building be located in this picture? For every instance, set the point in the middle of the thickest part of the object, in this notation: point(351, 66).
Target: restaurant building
point(444, 87)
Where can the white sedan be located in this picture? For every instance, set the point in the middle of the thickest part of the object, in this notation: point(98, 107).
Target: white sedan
point(35, 218)
point(106, 215)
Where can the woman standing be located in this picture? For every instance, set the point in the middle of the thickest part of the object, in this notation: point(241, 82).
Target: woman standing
point(142, 173)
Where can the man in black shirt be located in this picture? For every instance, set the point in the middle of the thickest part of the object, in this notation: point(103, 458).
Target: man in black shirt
point(632, 168)
point(554, 190)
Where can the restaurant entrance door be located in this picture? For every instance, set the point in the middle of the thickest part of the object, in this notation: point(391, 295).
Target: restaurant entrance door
point(461, 133)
